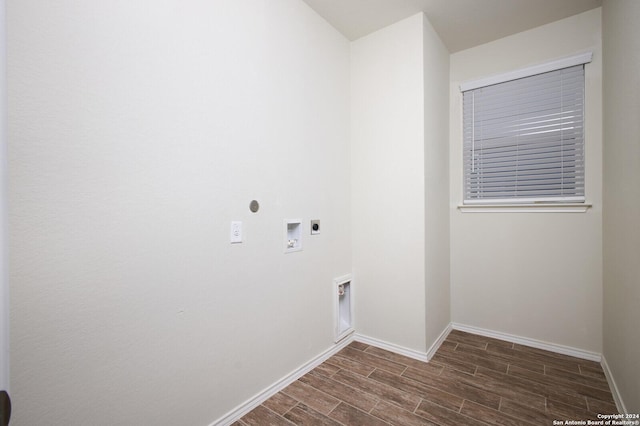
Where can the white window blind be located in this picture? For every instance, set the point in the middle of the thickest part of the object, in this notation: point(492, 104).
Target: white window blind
point(524, 141)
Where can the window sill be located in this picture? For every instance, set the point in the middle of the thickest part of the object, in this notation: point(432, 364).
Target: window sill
point(525, 208)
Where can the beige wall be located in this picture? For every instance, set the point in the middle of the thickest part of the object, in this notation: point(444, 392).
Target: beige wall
point(387, 183)
point(4, 276)
point(621, 44)
point(399, 172)
point(534, 275)
point(131, 151)
point(138, 131)
point(436, 176)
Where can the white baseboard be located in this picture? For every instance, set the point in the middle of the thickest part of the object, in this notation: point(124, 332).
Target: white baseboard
point(267, 393)
point(401, 350)
point(614, 388)
point(436, 345)
point(552, 347)
point(392, 347)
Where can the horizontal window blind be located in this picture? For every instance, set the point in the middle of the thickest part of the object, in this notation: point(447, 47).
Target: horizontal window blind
point(524, 141)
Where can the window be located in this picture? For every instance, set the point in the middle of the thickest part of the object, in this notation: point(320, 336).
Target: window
point(523, 135)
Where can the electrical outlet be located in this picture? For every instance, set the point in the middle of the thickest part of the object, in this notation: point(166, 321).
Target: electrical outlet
point(236, 232)
point(315, 227)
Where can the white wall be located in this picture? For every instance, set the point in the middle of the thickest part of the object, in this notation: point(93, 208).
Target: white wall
point(387, 183)
point(399, 172)
point(4, 282)
point(621, 44)
point(536, 275)
point(436, 187)
point(138, 131)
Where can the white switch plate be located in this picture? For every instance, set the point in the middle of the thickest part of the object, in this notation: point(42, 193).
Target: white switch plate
point(236, 232)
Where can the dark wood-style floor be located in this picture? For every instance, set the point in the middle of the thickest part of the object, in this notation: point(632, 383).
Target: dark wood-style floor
point(471, 380)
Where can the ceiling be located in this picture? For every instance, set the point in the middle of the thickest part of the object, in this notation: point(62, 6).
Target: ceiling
point(461, 24)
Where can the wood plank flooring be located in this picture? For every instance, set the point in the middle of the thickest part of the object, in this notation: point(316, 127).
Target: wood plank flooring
point(471, 380)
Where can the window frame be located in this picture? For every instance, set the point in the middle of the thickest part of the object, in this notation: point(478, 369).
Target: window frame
point(533, 204)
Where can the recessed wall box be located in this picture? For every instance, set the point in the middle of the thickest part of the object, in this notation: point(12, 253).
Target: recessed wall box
point(343, 294)
point(292, 235)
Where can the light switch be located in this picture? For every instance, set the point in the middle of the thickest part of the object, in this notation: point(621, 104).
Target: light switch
point(236, 232)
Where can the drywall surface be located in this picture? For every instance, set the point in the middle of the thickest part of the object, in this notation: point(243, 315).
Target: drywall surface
point(621, 94)
point(436, 186)
point(387, 183)
point(535, 275)
point(137, 132)
point(4, 258)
